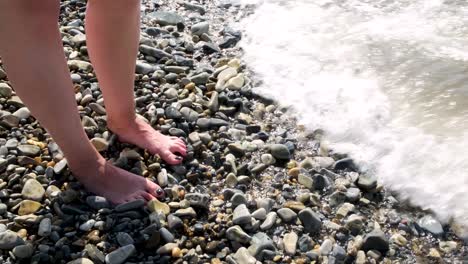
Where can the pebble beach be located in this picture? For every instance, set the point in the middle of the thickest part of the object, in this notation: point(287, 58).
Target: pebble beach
point(255, 187)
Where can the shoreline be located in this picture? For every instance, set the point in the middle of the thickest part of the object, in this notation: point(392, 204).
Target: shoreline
point(256, 186)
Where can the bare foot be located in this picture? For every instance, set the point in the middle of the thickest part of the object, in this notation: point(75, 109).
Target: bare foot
point(116, 185)
point(141, 134)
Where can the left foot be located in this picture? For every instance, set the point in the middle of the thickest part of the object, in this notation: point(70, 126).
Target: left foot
point(141, 134)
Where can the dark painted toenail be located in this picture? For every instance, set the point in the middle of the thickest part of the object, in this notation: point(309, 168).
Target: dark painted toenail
point(159, 192)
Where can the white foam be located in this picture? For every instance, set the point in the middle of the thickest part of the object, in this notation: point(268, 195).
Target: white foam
point(386, 80)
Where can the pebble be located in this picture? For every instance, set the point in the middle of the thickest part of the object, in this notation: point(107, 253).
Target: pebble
point(29, 150)
point(97, 202)
point(88, 225)
point(236, 233)
point(448, 246)
point(305, 180)
point(9, 240)
point(310, 220)
point(238, 198)
point(119, 255)
point(82, 261)
point(100, 144)
point(235, 83)
point(156, 206)
point(241, 215)
point(430, 224)
point(366, 182)
point(269, 221)
point(28, 207)
point(280, 151)
point(164, 18)
point(259, 214)
point(243, 256)
point(5, 89)
point(200, 200)
point(174, 222)
point(268, 159)
point(326, 247)
point(287, 215)
point(375, 240)
point(186, 212)
point(135, 204)
point(200, 28)
point(23, 251)
point(290, 243)
point(167, 248)
point(124, 239)
point(33, 190)
point(45, 227)
point(260, 242)
point(162, 178)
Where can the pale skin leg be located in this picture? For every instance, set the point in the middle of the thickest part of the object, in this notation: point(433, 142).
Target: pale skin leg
point(112, 37)
point(32, 52)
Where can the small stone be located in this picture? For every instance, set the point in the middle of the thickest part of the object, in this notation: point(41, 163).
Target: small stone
point(187, 212)
point(200, 28)
point(100, 144)
point(135, 204)
point(60, 166)
point(80, 65)
point(156, 206)
point(119, 255)
point(144, 68)
point(5, 90)
point(231, 180)
point(9, 240)
point(430, 224)
point(241, 215)
point(200, 79)
point(81, 261)
point(269, 221)
point(199, 200)
point(290, 243)
point(167, 248)
point(267, 159)
point(354, 223)
point(433, 253)
point(399, 239)
point(28, 207)
point(88, 225)
point(287, 215)
point(310, 220)
point(176, 252)
point(174, 222)
point(237, 234)
point(162, 178)
point(23, 251)
point(280, 151)
point(243, 256)
point(375, 240)
point(326, 247)
point(22, 113)
point(296, 206)
point(29, 150)
point(33, 190)
point(238, 198)
point(259, 214)
point(366, 183)
point(97, 202)
point(344, 210)
point(235, 83)
point(166, 18)
point(166, 235)
point(448, 246)
point(124, 239)
point(45, 227)
point(361, 257)
point(260, 242)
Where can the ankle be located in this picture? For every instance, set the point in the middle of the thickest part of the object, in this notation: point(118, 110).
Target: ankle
point(119, 123)
point(83, 165)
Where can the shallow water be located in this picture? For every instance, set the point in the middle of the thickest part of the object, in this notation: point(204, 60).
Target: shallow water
point(387, 80)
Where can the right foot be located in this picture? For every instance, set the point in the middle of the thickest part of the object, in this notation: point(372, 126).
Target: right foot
point(116, 185)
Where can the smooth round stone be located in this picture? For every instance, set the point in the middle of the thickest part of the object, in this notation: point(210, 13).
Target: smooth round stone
point(310, 220)
point(267, 159)
point(45, 227)
point(60, 166)
point(135, 204)
point(156, 206)
point(22, 113)
point(81, 261)
point(186, 212)
point(259, 214)
point(375, 240)
point(280, 151)
point(5, 89)
point(29, 150)
point(326, 247)
point(33, 190)
point(241, 215)
point(9, 240)
point(3, 208)
point(162, 178)
point(167, 248)
point(366, 182)
point(236, 233)
point(97, 202)
point(269, 221)
point(174, 222)
point(124, 239)
point(200, 200)
point(119, 255)
point(290, 243)
point(200, 28)
point(287, 215)
point(235, 83)
point(231, 180)
point(100, 144)
point(430, 224)
point(23, 251)
point(88, 225)
point(238, 198)
point(28, 207)
point(354, 223)
point(244, 256)
point(166, 235)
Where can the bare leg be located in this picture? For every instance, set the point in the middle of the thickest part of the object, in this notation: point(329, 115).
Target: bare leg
point(32, 51)
point(113, 30)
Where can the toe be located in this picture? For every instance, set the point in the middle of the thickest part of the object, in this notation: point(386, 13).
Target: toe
point(146, 196)
point(179, 143)
point(171, 158)
point(154, 190)
point(179, 149)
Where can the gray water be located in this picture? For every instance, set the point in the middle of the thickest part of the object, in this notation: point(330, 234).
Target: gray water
point(387, 80)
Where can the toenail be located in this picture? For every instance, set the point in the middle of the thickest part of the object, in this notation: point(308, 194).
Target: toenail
point(178, 158)
point(159, 191)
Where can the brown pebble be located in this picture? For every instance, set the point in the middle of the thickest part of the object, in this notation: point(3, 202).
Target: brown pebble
point(190, 86)
point(176, 252)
